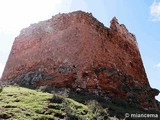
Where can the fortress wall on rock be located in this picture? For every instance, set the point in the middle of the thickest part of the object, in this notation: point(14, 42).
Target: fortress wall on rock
point(77, 51)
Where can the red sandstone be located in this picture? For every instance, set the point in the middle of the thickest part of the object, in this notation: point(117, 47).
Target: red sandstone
point(80, 52)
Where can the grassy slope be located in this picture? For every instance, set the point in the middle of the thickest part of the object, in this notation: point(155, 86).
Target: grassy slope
point(17, 103)
point(25, 104)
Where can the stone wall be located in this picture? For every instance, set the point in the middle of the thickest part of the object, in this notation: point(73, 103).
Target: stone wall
point(77, 51)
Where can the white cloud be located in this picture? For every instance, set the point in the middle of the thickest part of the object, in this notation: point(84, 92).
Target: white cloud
point(1, 69)
point(17, 14)
point(158, 97)
point(155, 10)
point(158, 65)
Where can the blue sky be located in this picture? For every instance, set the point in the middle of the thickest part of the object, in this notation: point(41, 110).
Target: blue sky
point(141, 17)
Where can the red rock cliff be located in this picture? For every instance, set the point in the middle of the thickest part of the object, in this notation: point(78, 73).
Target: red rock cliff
point(75, 50)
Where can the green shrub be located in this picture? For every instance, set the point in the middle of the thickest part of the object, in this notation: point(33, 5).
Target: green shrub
point(57, 99)
point(72, 117)
point(1, 89)
point(97, 109)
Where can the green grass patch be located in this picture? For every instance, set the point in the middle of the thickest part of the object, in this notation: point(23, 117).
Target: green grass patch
point(18, 103)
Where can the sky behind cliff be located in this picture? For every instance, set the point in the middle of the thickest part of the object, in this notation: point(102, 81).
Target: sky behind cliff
point(141, 17)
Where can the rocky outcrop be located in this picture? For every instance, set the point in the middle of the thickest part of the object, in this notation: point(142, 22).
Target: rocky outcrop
point(77, 51)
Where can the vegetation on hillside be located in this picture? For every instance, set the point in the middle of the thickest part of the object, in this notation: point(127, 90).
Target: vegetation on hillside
point(18, 103)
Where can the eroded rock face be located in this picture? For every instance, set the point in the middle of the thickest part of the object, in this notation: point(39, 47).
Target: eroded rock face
point(77, 51)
